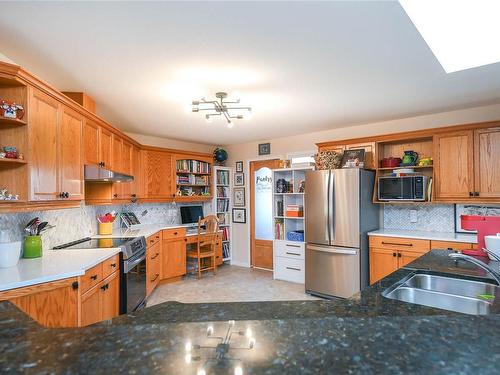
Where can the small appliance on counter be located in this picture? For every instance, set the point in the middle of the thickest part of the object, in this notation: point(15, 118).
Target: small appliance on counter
point(10, 251)
point(132, 267)
point(492, 243)
point(485, 226)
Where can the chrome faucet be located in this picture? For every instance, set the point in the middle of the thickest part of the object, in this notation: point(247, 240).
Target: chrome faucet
point(477, 262)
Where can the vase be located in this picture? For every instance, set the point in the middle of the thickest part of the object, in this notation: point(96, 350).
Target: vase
point(32, 247)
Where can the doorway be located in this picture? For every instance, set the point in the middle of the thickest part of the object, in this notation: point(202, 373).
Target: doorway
point(261, 216)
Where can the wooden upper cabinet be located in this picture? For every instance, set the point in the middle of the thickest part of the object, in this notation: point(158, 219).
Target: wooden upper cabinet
point(105, 147)
point(116, 153)
point(159, 174)
point(126, 163)
point(370, 153)
point(71, 154)
point(487, 163)
point(91, 143)
point(454, 178)
point(43, 129)
point(136, 186)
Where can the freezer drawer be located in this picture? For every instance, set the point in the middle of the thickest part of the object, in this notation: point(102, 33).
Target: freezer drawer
point(289, 249)
point(332, 271)
point(289, 270)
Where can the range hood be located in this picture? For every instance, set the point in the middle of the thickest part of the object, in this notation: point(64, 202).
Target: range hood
point(94, 173)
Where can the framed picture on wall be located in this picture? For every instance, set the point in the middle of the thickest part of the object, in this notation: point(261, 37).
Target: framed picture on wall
point(264, 149)
point(239, 167)
point(239, 197)
point(239, 215)
point(239, 179)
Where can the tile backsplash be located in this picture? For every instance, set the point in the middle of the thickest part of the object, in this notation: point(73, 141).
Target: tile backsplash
point(76, 223)
point(430, 217)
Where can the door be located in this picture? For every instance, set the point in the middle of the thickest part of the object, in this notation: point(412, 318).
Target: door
point(105, 148)
point(71, 154)
point(173, 258)
point(383, 262)
point(91, 143)
point(43, 126)
point(159, 175)
point(317, 207)
point(332, 271)
point(91, 311)
point(344, 207)
point(453, 165)
point(487, 162)
point(261, 216)
point(110, 294)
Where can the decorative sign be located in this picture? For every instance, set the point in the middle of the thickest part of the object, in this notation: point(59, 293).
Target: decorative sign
point(263, 184)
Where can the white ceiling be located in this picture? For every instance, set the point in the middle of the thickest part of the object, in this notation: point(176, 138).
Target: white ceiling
point(303, 66)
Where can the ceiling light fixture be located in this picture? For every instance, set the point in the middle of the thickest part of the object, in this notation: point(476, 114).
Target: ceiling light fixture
point(220, 107)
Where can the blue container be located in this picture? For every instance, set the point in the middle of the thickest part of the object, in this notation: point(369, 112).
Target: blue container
point(296, 235)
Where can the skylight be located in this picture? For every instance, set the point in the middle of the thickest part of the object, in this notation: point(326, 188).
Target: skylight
point(462, 34)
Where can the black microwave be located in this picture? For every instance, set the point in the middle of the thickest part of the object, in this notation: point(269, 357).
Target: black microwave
point(403, 188)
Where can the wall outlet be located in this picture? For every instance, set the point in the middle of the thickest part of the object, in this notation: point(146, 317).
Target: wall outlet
point(413, 216)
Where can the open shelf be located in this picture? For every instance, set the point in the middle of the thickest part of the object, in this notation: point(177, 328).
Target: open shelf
point(409, 167)
point(5, 121)
point(12, 161)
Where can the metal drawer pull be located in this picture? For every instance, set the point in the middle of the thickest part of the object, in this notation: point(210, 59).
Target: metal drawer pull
point(396, 244)
point(113, 265)
point(93, 277)
point(292, 245)
point(154, 279)
point(292, 253)
point(293, 268)
point(156, 256)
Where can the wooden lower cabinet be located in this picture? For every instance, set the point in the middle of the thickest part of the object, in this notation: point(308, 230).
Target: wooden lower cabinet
point(218, 251)
point(448, 245)
point(383, 262)
point(91, 311)
point(153, 266)
point(173, 258)
point(102, 302)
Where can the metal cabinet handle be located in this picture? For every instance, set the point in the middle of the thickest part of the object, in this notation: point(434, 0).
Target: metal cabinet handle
point(292, 253)
point(399, 255)
point(393, 254)
point(104, 287)
point(292, 245)
point(93, 277)
point(156, 256)
point(397, 244)
point(293, 268)
point(156, 276)
point(113, 265)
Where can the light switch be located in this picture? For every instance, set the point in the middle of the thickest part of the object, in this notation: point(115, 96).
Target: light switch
point(413, 216)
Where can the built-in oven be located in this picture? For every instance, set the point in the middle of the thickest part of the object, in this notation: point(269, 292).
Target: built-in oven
point(133, 282)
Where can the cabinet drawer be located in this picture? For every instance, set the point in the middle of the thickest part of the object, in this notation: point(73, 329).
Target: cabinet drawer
point(449, 245)
point(91, 278)
point(289, 249)
point(289, 269)
point(153, 268)
point(110, 265)
point(396, 243)
point(154, 238)
point(173, 233)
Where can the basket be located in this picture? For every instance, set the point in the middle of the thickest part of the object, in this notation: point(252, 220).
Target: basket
point(295, 235)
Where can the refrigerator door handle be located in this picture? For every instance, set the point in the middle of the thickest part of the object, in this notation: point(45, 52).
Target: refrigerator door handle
point(328, 198)
point(334, 250)
point(331, 208)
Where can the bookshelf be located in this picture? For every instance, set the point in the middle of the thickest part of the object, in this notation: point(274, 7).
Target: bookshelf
point(222, 205)
point(193, 178)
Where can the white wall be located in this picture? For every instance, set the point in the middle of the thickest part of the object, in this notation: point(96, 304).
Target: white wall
point(170, 143)
point(5, 59)
point(280, 147)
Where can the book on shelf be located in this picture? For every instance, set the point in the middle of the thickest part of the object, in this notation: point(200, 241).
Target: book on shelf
point(225, 234)
point(222, 177)
point(222, 205)
point(192, 180)
point(279, 230)
point(192, 166)
point(226, 250)
point(279, 208)
point(222, 191)
point(223, 218)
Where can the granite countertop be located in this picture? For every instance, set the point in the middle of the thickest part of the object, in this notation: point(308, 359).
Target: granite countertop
point(364, 335)
point(53, 265)
point(425, 235)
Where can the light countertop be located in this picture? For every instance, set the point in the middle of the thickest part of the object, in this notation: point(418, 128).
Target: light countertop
point(424, 235)
point(53, 265)
point(145, 230)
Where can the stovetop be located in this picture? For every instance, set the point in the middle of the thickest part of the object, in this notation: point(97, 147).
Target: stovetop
point(94, 243)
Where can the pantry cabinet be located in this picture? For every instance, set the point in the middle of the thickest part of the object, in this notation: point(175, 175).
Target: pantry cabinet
point(56, 150)
point(159, 175)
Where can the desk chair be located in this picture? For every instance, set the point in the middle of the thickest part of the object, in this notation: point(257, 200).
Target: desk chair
point(206, 245)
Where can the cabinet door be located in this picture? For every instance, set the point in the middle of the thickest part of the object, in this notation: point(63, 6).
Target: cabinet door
point(382, 263)
point(218, 251)
point(447, 245)
point(43, 126)
point(405, 257)
point(370, 153)
point(105, 147)
point(487, 162)
point(71, 153)
point(159, 175)
point(116, 154)
point(110, 294)
point(337, 148)
point(126, 168)
point(173, 258)
point(453, 165)
point(136, 185)
point(91, 310)
point(91, 143)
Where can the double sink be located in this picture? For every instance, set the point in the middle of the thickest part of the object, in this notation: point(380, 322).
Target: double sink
point(445, 292)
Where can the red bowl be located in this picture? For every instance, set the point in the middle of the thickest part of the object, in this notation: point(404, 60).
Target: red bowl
point(390, 162)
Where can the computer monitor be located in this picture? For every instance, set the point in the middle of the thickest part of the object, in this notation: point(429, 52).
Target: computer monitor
point(191, 214)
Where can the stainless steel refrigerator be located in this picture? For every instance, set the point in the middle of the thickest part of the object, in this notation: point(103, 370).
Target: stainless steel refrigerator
point(338, 213)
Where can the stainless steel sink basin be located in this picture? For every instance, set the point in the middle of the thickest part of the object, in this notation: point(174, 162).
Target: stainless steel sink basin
point(448, 293)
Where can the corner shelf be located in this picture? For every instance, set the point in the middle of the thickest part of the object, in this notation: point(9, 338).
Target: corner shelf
point(12, 121)
point(12, 161)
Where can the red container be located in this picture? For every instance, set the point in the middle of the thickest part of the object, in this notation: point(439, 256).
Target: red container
point(485, 226)
point(390, 162)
